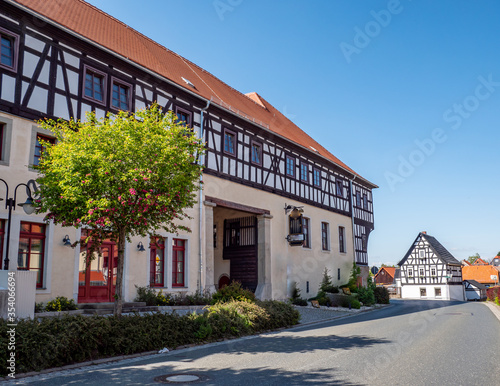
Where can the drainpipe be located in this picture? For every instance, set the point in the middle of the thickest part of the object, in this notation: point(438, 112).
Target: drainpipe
point(202, 161)
point(352, 217)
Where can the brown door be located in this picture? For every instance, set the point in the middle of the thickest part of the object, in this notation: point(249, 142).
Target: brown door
point(97, 277)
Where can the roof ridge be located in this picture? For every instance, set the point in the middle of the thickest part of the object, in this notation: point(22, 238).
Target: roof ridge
point(185, 60)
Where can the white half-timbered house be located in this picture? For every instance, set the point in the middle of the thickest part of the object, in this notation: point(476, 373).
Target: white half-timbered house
point(62, 58)
point(429, 271)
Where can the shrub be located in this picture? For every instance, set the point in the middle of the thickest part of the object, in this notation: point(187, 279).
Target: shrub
point(381, 295)
point(233, 291)
point(492, 293)
point(345, 301)
point(39, 307)
point(61, 303)
point(296, 298)
point(326, 284)
point(153, 298)
point(366, 296)
point(199, 298)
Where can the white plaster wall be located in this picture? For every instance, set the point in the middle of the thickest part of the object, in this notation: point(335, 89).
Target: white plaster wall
point(448, 292)
point(289, 264)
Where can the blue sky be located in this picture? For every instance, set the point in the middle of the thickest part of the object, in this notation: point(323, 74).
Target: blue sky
point(406, 93)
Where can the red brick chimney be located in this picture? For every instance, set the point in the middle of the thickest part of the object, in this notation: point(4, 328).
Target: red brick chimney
point(424, 232)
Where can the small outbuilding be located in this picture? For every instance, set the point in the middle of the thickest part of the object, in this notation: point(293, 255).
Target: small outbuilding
point(474, 290)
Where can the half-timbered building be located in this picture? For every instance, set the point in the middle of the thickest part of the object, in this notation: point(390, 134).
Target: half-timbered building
point(63, 58)
point(429, 271)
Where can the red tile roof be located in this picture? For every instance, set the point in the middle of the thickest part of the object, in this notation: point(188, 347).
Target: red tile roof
point(101, 28)
point(480, 273)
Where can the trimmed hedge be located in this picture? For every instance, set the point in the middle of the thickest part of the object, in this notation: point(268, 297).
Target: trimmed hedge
point(493, 293)
point(53, 342)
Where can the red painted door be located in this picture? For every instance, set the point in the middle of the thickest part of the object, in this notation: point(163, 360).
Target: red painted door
point(97, 277)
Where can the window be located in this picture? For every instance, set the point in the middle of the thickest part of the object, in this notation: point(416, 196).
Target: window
point(1, 140)
point(305, 230)
point(341, 239)
point(421, 253)
point(178, 262)
point(157, 262)
point(365, 201)
point(410, 272)
point(2, 235)
point(325, 245)
point(304, 172)
point(256, 153)
point(317, 177)
point(423, 292)
point(363, 242)
point(40, 147)
point(421, 272)
point(94, 85)
point(340, 188)
point(9, 44)
point(183, 116)
point(433, 271)
point(120, 95)
point(290, 166)
point(31, 249)
point(358, 199)
point(229, 142)
point(437, 291)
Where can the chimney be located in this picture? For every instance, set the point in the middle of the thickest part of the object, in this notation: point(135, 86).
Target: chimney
point(424, 232)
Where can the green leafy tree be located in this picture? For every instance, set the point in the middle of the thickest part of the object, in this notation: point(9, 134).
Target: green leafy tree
point(473, 258)
point(121, 176)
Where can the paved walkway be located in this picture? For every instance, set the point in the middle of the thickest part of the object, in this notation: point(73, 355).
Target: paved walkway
point(311, 314)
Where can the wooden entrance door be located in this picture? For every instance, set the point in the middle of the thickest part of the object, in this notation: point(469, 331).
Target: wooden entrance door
point(97, 277)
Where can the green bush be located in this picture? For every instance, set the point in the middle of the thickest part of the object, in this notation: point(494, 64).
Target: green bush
point(61, 303)
point(326, 283)
point(366, 296)
point(51, 342)
point(345, 301)
point(296, 299)
point(39, 307)
point(233, 291)
point(381, 295)
point(153, 298)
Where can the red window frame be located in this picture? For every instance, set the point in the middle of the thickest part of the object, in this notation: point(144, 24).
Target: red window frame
point(157, 269)
point(40, 147)
point(178, 265)
point(2, 236)
point(30, 232)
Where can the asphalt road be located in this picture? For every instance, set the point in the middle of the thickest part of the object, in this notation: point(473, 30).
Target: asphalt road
point(410, 343)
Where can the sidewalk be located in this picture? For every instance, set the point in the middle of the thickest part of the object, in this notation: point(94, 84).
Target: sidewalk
point(309, 314)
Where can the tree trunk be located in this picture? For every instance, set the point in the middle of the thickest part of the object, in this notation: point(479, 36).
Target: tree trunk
point(119, 274)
